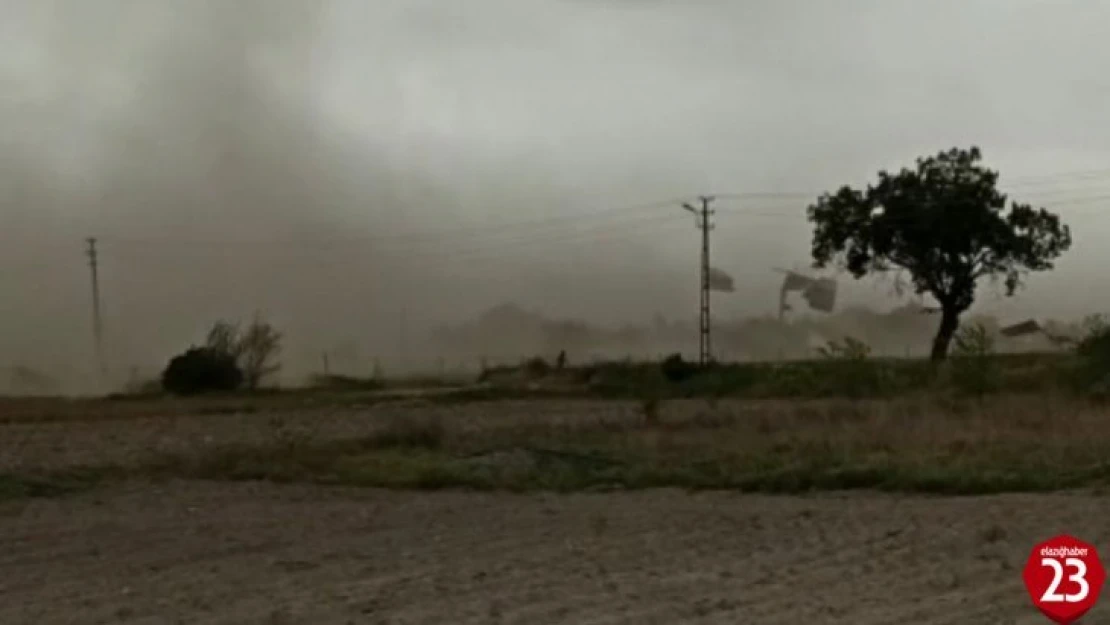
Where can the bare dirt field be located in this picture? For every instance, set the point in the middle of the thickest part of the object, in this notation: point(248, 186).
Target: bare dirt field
point(187, 552)
point(146, 542)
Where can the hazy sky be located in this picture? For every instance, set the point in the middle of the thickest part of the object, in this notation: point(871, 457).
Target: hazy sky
point(294, 156)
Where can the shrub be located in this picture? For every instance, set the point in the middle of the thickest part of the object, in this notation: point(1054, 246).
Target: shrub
point(849, 349)
point(851, 370)
point(1093, 352)
point(253, 349)
point(675, 369)
point(536, 367)
point(973, 367)
point(200, 370)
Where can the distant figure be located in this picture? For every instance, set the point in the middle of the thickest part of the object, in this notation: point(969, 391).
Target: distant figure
point(561, 361)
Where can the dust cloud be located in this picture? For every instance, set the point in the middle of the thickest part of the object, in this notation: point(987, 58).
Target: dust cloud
point(189, 139)
point(364, 173)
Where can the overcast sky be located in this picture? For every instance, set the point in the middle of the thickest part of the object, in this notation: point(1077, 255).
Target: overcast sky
point(292, 155)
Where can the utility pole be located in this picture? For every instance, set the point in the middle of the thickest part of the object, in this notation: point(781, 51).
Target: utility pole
point(97, 330)
point(702, 219)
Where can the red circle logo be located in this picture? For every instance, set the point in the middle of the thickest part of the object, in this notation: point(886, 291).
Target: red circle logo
point(1064, 577)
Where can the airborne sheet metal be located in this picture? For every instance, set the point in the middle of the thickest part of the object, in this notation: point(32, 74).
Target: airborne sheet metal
point(1024, 328)
point(720, 281)
point(819, 293)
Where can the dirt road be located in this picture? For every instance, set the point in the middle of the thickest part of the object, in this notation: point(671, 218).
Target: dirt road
point(239, 554)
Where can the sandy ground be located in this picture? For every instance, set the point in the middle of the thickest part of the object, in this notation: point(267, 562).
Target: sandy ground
point(240, 554)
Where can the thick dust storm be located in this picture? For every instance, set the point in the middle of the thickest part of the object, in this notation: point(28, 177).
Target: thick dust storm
point(363, 174)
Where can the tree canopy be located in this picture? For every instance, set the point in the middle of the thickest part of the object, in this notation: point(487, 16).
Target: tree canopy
point(946, 224)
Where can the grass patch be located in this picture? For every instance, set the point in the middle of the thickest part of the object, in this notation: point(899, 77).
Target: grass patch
point(848, 423)
point(831, 377)
point(959, 446)
point(334, 382)
point(979, 375)
point(781, 473)
point(424, 469)
point(16, 486)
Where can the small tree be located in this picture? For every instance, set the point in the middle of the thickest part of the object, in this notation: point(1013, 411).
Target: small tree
point(259, 346)
point(224, 338)
point(253, 349)
point(945, 223)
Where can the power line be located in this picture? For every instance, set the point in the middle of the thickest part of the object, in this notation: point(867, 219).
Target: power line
point(1092, 175)
point(480, 248)
point(623, 222)
point(568, 230)
point(617, 223)
point(452, 258)
point(631, 212)
point(1038, 180)
point(449, 262)
point(582, 236)
point(1066, 201)
point(554, 223)
point(480, 244)
point(470, 248)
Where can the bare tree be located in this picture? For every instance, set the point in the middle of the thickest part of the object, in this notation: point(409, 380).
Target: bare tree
point(224, 338)
point(254, 348)
point(258, 347)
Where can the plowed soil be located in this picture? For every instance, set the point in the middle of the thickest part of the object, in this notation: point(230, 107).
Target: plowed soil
point(239, 554)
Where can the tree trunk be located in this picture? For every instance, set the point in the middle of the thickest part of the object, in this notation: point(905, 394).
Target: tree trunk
point(949, 323)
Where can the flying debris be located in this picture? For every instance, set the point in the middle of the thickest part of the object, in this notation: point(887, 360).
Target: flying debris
point(1030, 327)
point(795, 282)
point(1024, 328)
point(819, 293)
point(720, 281)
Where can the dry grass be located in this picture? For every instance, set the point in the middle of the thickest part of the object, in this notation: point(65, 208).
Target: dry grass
point(14, 410)
point(1000, 443)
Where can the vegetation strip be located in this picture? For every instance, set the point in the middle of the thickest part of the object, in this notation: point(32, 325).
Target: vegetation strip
point(405, 460)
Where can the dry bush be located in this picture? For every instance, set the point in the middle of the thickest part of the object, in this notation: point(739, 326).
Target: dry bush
point(1092, 374)
point(972, 366)
point(254, 348)
point(536, 367)
point(259, 346)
